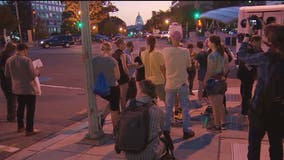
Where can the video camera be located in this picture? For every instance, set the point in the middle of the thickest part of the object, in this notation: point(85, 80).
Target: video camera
point(254, 21)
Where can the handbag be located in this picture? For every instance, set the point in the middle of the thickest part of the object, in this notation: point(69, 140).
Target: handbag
point(216, 85)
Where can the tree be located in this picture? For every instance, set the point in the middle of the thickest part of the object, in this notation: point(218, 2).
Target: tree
point(157, 20)
point(110, 26)
point(99, 10)
point(8, 20)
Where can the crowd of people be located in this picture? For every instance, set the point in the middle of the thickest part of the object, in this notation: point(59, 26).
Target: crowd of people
point(166, 75)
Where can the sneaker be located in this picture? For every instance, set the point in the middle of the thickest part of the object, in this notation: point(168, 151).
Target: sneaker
point(19, 130)
point(187, 135)
point(31, 133)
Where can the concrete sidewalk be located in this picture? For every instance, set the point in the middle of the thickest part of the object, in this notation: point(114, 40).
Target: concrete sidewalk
point(231, 144)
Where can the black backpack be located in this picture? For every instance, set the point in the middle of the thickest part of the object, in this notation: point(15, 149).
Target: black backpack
point(132, 130)
point(273, 97)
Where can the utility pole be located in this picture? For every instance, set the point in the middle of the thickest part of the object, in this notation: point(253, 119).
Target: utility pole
point(19, 25)
point(95, 130)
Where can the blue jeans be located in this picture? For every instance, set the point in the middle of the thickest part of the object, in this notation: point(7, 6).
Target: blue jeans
point(183, 93)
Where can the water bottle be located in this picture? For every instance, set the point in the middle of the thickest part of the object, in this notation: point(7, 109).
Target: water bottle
point(205, 122)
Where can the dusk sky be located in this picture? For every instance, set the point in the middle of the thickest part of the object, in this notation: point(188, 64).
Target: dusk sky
point(128, 10)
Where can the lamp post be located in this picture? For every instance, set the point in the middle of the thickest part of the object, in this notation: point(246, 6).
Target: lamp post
point(19, 25)
point(34, 19)
point(95, 130)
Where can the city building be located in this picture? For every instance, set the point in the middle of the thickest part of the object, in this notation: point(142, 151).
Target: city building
point(137, 29)
point(51, 12)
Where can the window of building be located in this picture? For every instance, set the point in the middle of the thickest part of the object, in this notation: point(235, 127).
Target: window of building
point(49, 8)
point(53, 8)
point(47, 15)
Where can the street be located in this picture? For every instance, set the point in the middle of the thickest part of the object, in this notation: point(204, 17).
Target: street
point(63, 101)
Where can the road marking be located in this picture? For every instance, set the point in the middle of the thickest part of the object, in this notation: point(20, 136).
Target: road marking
point(62, 87)
point(8, 148)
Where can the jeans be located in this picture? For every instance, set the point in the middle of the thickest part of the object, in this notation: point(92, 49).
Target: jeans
point(246, 93)
point(29, 102)
point(256, 134)
point(183, 93)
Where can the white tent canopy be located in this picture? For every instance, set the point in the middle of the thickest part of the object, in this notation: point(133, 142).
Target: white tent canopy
point(224, 15)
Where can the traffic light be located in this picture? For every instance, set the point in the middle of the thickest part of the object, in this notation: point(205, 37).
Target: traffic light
point(199, 25)
point(79, 24)
point(196, 14)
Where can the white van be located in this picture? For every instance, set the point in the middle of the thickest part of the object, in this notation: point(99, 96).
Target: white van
point(263, 12)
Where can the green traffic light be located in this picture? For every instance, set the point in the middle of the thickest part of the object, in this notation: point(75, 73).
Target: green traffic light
point(196, 15)
point(79, 24)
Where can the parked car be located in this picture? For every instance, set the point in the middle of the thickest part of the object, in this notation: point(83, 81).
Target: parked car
point(164, 34)
point(116, 38)
point(57, 40)
point(77, 39)
point(100, 38)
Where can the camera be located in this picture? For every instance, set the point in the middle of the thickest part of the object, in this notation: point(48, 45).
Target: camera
point(254, 21)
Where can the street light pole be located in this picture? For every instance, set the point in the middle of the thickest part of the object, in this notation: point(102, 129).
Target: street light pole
point(19, 25)
point(95, 130)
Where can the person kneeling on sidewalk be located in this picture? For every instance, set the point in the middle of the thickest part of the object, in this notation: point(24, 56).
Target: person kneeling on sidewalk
point(141, 141)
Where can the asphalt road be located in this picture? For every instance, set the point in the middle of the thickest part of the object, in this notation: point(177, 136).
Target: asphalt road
point(63, 100)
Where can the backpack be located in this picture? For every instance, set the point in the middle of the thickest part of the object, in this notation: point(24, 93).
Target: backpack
point(101, 87)
point(132, 130)
point(273, 97)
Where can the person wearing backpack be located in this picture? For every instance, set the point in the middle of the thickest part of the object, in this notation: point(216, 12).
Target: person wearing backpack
point(108, 66)
point(263, 114)
point(6, 84)
point(141, 141)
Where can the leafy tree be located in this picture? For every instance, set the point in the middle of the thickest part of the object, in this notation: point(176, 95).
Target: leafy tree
point(110, 26)
point(157, 20)
point(99, 10)
point(8, 20)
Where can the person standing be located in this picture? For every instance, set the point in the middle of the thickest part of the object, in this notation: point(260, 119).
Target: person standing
point(132, 89)
point(6, 84)
point(154, 67)
point(22, 73)
point(259, 124)
point(247, 74)
point(217, 67)
point(201, 58)
point(120, 56)
point(176, 62)
point(107, 65)
point(192, 69)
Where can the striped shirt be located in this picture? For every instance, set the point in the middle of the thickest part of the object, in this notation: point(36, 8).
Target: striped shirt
point(154, 149)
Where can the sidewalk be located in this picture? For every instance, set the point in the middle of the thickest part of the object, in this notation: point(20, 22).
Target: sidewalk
point(231, 144)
